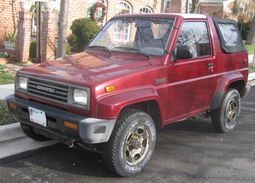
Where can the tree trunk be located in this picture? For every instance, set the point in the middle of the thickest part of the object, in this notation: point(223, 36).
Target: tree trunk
point(253, 61)
point(251, 35)
point(62, 28)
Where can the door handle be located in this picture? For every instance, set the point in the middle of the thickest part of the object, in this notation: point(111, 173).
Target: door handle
point(210, 66)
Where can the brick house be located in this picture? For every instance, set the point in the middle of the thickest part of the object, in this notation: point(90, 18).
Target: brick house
point(77, 9)
point(212, 7)
point(80, 9)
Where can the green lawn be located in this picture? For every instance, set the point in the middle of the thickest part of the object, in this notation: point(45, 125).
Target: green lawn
point(6, 78)
point(250, 48)
point(5, 116)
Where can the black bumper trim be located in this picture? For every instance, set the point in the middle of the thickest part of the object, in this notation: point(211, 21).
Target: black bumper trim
point(91, 130)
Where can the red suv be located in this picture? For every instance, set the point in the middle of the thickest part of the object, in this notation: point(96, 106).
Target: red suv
point(140, 71)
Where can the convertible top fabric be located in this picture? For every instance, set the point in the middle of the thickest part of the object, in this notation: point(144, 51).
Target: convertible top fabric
point(229, 34)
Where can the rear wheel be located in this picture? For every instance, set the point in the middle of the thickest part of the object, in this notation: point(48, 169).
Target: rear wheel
point(132, 143)
point(225, 118)
point(29, 131)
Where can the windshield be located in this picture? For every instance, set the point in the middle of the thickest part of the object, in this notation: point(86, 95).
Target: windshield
point(140, 35)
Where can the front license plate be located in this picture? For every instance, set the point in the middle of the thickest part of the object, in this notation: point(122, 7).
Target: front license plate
point(37, 116)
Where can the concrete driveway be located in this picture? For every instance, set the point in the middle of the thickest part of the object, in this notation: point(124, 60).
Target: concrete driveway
point(188, 151)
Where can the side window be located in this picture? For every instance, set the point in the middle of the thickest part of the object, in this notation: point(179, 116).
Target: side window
point(229, 34)
point(230, 38)
point(193, 41)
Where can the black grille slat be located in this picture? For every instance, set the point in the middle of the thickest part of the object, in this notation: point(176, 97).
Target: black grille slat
point(56, 91)
point(49, 85)
point(60, 91)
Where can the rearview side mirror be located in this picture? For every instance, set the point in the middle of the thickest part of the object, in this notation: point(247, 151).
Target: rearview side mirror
point(183, 52)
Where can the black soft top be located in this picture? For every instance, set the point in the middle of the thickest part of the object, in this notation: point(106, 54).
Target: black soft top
point(229, 34)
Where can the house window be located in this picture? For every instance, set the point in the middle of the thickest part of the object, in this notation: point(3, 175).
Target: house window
point(122, 31)
point(166, 7)
point(146, 9)
point(123, 7)
point(90, 3)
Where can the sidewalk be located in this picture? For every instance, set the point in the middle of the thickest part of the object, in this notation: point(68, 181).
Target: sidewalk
point(6, 90)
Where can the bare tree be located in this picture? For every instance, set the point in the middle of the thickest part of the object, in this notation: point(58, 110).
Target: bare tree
point(62, 28)
point(194, 4)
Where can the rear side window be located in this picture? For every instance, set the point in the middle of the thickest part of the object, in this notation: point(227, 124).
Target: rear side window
point(194, 36)
point(230, 38)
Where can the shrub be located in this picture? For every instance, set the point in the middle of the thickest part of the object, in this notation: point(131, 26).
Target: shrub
point(84, 29)
point(32, 50)
point(244, 29)
point(72, 41)
point(11, 38)
point(68, 49)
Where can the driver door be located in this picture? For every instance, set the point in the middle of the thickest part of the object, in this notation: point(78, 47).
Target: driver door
point(191, 86)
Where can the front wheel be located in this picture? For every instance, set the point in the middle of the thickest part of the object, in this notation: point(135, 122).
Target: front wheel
point(224, 119)
point(132, 143)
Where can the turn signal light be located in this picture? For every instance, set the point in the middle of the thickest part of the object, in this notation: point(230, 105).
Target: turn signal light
point(12, 106)
point(110, 88)
point(70, 125)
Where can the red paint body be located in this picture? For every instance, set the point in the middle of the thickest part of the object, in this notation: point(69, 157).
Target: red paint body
point(189, 87)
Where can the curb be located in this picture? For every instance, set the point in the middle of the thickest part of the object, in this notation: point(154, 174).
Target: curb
point(13, 142)
point(10, 132)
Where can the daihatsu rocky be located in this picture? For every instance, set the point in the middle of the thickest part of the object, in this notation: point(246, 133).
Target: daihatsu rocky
point(141, 71)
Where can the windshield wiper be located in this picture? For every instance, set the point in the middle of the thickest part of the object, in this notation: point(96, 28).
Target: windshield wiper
point(135, 50)
point(101, 47)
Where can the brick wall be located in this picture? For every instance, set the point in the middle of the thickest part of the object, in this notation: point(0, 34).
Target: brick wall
point(176, 6)
point(24, 36)
point(213, 10)
point(8, 18)
point(77, 9)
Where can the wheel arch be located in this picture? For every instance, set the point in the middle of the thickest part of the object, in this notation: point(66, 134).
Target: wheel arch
point(145, 99)
point(151, 107)
point(235, 80)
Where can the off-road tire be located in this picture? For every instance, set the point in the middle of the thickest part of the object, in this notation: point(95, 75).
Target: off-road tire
point(220, 115)
point(29, 131)
point(114, 157)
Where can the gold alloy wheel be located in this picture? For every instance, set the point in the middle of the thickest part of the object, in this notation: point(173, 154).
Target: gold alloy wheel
point(231, 113)
point(136, 144)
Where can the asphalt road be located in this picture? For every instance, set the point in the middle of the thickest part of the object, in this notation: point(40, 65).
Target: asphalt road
point(188, 151)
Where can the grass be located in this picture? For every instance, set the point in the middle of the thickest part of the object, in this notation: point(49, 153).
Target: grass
point(251, 69)
point(5, 116)
point(5, 76)
point(250, 48)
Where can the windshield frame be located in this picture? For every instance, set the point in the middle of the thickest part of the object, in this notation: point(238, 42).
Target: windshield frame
point(166, 49)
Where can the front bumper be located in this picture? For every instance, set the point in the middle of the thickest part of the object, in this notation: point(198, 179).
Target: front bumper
point(90, 130)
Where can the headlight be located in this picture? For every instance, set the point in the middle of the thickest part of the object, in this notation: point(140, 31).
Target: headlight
point(22, 82)
point(80, 96)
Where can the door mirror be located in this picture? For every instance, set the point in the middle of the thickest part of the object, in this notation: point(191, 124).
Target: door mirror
point(183, 52)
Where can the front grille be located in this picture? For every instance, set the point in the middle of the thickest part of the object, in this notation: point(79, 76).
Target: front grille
point(48, 89)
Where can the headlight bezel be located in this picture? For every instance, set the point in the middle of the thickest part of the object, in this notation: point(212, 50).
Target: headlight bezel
point(18, 82)
point(75, 98)
point(71, 97)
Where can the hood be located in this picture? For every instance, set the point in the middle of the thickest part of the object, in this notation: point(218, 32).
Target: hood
point(90, 67)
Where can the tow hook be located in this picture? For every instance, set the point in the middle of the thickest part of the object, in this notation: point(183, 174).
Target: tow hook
point(70, 143)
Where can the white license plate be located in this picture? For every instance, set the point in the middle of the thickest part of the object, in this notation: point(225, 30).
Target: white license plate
point(37, 116)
